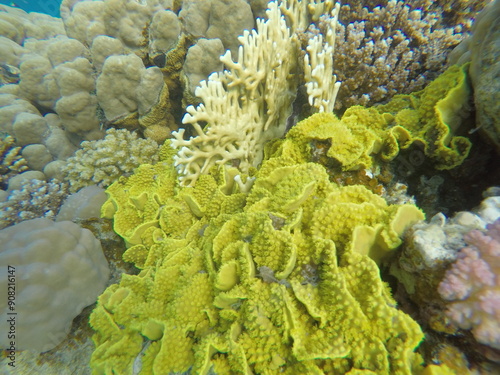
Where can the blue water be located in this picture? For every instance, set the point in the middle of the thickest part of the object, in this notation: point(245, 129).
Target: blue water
point(42, 6)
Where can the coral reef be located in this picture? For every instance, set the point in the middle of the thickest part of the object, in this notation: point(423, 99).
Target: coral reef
point(34, 199)
point(225, 273)
point(253, 252)
point(104, 161)
point(430, 117)
point(472, 286)
point(59, 268)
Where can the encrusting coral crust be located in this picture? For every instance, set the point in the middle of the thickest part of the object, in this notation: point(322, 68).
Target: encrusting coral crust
point(276, 280)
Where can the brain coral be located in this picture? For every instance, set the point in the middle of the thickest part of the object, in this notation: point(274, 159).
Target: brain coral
point(276, 280)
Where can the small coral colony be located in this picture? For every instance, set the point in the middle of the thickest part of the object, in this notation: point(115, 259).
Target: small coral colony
point(291, 187)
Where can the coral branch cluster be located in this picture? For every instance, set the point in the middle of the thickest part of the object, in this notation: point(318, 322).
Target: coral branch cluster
point(244, 106)
point(473, 286)
point(390, 47)
point(321, 83)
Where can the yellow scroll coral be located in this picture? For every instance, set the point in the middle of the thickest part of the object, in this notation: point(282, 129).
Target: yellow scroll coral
point(276, 280)
point(352, 141)
point(433, 117)
point(135, 201)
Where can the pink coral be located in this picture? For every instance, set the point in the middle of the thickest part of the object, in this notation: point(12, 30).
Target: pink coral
point(473, 286)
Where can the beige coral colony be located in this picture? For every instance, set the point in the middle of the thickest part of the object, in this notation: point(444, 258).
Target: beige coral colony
point(250, 187)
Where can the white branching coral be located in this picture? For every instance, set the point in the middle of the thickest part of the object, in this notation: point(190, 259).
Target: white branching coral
point(244, 106)
point(321, 83)
point(299, 13)
point(248, 104)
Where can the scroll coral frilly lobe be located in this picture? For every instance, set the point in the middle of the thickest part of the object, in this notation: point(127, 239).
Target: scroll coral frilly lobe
point(276, 280)
point(432, 117)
